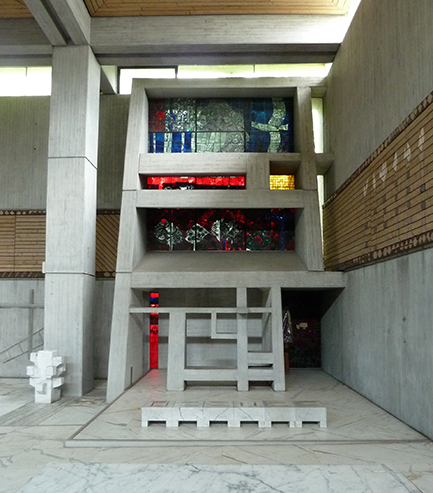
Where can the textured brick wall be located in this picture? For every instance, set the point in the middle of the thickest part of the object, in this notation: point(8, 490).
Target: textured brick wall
point(386, 207)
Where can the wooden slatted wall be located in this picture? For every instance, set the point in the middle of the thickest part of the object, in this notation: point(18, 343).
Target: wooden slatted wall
point(22, 243)
point(112, 8)
point(107, 234)
point(14, 8)
point(386, 207)
point(7, 242)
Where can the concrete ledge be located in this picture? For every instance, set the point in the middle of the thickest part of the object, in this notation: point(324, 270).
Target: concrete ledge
point(203, 413)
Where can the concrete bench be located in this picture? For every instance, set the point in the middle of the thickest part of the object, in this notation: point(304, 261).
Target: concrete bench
point(232, 413)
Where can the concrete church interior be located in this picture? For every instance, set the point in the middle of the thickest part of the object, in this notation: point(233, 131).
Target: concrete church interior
point(190, 174)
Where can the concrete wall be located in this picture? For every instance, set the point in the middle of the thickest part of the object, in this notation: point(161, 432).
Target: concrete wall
point(15, 324)
point(24, 151)
point(377, 336)
point(17, 321)
point(382, 71)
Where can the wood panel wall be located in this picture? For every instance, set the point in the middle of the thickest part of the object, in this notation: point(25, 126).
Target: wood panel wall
point(112, 8)
point(22, 243)
point(107, 234)
point(385, 208)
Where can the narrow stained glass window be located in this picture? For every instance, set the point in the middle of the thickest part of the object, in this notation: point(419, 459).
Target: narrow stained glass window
point(154, 332)
point(195, 182)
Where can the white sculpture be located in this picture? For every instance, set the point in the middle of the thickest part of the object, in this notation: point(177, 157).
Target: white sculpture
point(45, 376)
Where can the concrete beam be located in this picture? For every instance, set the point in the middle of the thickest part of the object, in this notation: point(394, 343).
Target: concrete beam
point(222, 39)
point(223, 55)
point(63, 21)
point(231, 87)
point(49, 24)
point(74, 18)
point(149, 34)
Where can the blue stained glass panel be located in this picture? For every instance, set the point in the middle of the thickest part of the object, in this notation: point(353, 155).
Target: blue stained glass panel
point(187, 143)
point(176, 142)
point(159, 142)
point(258, 142)
point(262, 110)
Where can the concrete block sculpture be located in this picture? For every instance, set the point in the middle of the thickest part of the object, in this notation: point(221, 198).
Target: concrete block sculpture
point(45, 376)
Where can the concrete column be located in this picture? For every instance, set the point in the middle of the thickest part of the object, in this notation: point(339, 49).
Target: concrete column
point(71, 213)
point(308, 234)
point(129, 357)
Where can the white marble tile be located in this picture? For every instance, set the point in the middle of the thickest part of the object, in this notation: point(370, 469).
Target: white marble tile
point(112, 478)
point(349, 416)
point(9, 404)
point(73, 415)
point(358, 434)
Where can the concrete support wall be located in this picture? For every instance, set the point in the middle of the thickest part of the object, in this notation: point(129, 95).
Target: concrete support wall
point(71, 213)
point(377, 336)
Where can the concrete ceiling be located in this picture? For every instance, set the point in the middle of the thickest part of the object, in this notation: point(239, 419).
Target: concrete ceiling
point(157, 33)
point(122, 8)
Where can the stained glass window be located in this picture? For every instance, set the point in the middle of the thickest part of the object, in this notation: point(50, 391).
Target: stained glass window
point(282, 182)
point(195, 182)
point(271, 229)
point(221, 229)
point(221, 125)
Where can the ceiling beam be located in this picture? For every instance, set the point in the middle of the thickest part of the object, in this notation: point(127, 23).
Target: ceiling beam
point(254, 55)
point(64, 22)
point(74, 18)
point(221, 39)
point(51, 27)
point(165, 33)
point(174, 40)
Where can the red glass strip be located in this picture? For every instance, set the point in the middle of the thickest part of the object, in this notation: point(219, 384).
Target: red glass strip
point(154, 332)
point(161, 182)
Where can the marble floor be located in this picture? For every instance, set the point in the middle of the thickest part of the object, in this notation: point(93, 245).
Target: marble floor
point(81, 444)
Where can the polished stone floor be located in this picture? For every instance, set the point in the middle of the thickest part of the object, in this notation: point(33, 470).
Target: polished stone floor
point(81, 444)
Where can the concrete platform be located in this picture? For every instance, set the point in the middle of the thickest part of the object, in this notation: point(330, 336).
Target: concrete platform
point(230, 269)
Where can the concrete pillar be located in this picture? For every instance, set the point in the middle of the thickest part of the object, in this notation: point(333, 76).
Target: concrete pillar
point(308, 234)
point(71, 213)
point(129, 355)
